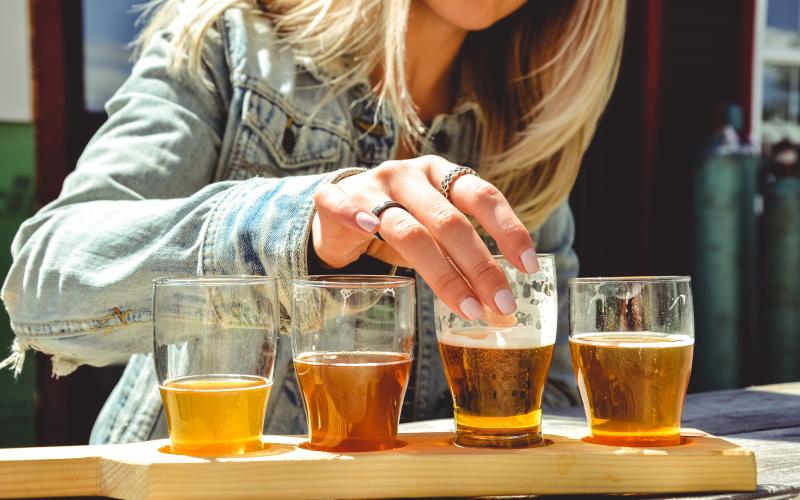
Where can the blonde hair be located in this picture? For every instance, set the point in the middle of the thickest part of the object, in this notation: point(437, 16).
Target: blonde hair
point(556, 62)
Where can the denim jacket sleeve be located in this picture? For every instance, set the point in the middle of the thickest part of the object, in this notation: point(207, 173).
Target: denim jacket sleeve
point(141, 204)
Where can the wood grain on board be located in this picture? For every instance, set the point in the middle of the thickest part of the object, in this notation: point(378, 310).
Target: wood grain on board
point(764, 420)
point(427, 465)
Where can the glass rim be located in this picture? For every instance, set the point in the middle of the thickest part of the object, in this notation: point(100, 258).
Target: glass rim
point(632, 279)
point(545, 255)
point(353, 281)
point(548, 256)
point(234, 279)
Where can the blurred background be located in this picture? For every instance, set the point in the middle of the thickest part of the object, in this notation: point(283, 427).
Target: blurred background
point(693, 171)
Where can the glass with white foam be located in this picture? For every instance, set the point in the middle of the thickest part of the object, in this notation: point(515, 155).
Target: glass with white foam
point(631, 342)
point(496, 366)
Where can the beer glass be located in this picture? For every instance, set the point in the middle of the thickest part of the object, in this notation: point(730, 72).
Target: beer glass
point(215, 342)
point(352, 343)
point(496, 366)
point(631, 342)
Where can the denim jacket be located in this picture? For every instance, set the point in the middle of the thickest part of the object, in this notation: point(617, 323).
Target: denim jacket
point(201, 178)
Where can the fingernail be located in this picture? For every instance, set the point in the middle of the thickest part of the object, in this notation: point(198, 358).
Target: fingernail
point(505, 301)
point(367, 222)
point(471, 308)
point(529, 261)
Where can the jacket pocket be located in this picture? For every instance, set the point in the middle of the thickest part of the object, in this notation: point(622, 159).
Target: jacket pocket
point(276, 140)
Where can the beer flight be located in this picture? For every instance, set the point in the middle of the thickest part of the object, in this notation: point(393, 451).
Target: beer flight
point(352, 343)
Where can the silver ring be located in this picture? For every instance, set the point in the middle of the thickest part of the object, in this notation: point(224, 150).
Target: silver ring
point(382, 207)
point(451, 177)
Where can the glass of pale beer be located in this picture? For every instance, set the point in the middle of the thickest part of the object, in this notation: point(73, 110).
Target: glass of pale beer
point(496, 367)
point(631, 341)
point(215, 342)
point(352, 343)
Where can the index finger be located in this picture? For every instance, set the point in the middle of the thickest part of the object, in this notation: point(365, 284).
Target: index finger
point(482, 200)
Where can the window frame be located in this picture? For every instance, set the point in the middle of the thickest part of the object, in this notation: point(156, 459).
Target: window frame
point(763, 55)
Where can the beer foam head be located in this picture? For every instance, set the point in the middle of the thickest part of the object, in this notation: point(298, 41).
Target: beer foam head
point(518, 337)
point(636, 340)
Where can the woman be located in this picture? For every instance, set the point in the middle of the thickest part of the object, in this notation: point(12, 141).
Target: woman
point(262, 137)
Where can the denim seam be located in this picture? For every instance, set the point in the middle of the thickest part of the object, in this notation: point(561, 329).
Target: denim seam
point(115, 319)
point(222, 28)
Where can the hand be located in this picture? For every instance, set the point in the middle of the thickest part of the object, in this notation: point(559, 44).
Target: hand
point(432, 230)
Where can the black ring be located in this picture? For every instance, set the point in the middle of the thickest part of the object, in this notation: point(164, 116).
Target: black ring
point(382, 207)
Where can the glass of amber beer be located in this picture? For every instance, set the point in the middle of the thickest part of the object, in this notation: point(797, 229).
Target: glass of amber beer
point(496, 366)
point(631, 342)
point(215, 345)
point(352, 342)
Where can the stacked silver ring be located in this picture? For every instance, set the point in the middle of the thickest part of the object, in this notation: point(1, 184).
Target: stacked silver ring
point(451, 177)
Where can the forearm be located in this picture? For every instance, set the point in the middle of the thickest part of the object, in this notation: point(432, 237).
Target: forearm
point(81, 282)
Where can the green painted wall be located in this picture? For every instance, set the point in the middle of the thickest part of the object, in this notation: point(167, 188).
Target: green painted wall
point(16, 201)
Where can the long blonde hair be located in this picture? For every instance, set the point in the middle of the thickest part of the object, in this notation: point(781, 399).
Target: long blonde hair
point(552, 67)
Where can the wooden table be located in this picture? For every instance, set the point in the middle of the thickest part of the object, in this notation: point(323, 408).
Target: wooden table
point(764, 419)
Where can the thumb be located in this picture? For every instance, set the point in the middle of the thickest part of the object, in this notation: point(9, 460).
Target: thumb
point(334, 205)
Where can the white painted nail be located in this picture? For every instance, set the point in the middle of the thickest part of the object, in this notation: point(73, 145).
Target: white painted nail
point(471, 308)
point(529, 261)
point(505, 301)
point(367, 222)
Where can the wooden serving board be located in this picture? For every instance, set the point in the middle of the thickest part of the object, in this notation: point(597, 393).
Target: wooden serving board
point(428, 465)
